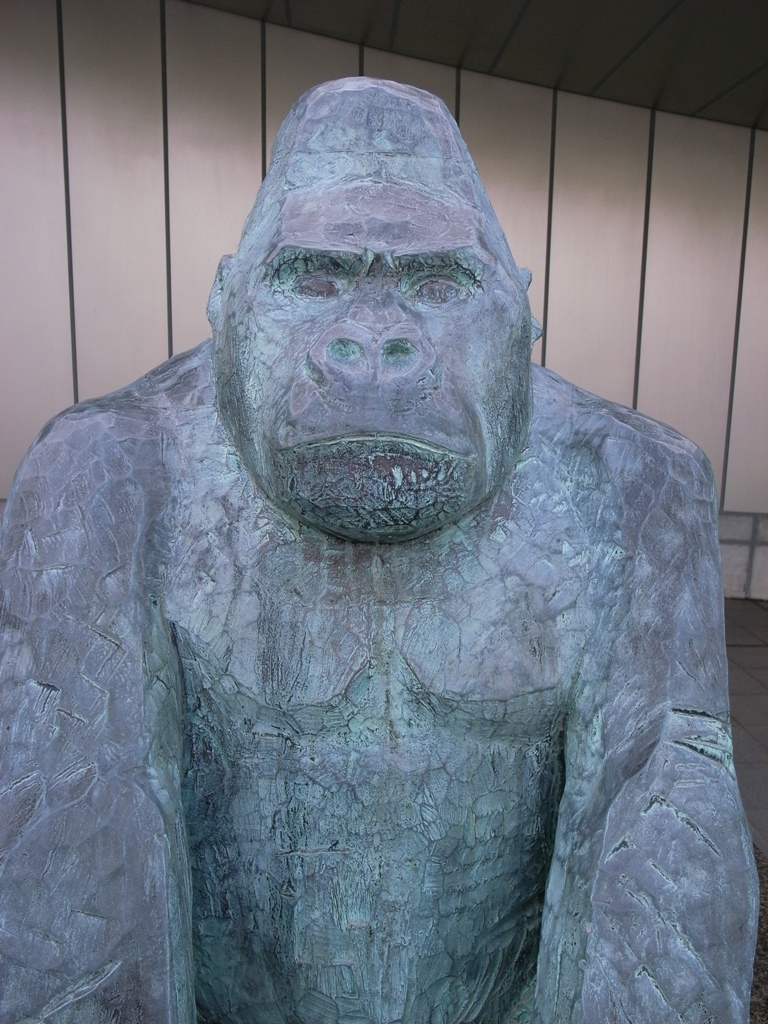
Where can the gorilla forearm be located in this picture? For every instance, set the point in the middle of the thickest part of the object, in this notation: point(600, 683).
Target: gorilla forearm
point(645, 921)
point(86, 853)
point(674, 877)
point(650, 901)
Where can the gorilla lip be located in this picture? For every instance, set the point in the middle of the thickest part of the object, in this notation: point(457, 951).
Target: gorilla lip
point(375, 486)
point(380, 441)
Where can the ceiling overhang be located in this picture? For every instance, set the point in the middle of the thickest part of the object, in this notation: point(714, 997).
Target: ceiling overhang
point(701, 58)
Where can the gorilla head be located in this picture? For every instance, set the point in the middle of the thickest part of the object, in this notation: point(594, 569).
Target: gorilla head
point(372, 333)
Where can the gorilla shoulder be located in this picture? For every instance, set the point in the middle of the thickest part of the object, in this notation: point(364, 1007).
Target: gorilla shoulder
point(110, 447)
point(640, 458)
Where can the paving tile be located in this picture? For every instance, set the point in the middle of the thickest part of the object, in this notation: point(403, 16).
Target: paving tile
point(748, 615)
point(751, 711)
point(760, 675)
point(758, 629)
point(753, 784)
point(747, 636)
point(742, 609)
point(739, 636)
point(746, 749)
point(741, 681)
point(749, 657)
point(760, 841)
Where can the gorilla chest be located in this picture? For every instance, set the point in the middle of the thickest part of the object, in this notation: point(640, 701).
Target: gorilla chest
point(371, 791)
point(361, 686)
point(365, 724)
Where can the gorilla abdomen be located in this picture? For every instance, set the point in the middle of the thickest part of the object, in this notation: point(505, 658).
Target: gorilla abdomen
point(375, 858)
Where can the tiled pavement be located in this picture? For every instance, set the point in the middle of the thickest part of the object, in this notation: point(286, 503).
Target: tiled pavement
point(746, 633)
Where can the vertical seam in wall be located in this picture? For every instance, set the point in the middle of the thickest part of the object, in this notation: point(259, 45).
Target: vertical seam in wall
point(457, 100)
point(361, 60)
point(67, 205)
point(644, 257)
point(263, 100)
point(393, 26)
point(550, 198)
point(752, 546)
point(166, 178)
point(737, 324)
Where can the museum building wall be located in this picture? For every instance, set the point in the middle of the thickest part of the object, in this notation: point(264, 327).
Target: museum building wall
point(134, 139)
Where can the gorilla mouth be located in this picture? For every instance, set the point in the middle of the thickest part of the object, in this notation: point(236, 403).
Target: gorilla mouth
point(376, 487)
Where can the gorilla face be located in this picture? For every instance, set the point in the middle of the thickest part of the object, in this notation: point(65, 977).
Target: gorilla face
point(372, 358)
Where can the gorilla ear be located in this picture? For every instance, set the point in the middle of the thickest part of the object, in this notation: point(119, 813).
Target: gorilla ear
point(525, 276)
point(214, 309)
point(536, 331)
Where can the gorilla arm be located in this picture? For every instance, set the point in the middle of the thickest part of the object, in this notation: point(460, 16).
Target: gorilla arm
point(92, 890)
point(648, 916)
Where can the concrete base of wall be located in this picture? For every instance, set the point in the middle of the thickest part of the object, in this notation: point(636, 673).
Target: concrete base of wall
point(744, 553)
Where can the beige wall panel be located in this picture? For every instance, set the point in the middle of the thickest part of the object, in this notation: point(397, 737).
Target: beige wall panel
point(115, 131)
point(598, 208)
point(214, 150)
point(746, 487)
point(694, 250)
point(507, 127)
point(424, 74)
point(295, 62)
point(36, 377)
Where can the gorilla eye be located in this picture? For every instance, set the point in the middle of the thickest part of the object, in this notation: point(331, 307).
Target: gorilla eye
point(317, 286)
point(310, 274)
point(437, 290)
point(439, 279)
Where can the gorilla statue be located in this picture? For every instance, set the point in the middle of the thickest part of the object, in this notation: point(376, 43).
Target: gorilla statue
point(355, 671)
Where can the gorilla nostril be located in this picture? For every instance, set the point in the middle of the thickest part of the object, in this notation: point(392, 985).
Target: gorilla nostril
point(399, 351)
point(344, 350)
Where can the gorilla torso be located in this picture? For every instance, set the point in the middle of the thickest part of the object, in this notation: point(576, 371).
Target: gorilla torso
point(374, 759)
point(372, 782)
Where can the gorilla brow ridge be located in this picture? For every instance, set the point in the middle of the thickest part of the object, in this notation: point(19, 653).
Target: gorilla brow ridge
point(461, 264)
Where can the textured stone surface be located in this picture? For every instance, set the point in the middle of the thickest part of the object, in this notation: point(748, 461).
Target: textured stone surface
point(354, 672)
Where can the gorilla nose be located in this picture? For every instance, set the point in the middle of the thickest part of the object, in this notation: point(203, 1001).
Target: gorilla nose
point(399, 354)
point(366, 360)
point(344, 350)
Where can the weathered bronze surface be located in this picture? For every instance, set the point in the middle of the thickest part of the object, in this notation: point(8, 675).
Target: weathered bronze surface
point(354, 671)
